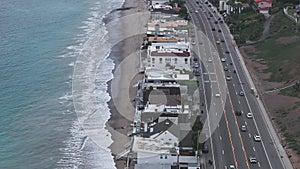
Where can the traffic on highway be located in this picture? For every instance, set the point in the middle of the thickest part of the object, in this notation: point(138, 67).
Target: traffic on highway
point(242, 138)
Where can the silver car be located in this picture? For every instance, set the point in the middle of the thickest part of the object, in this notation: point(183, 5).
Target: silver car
point(257, 138)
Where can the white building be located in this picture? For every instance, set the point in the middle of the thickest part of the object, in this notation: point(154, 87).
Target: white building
point(159, 2)
point(169, 55)
point(154, 151)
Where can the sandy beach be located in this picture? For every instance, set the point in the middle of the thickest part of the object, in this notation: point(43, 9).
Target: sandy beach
point(126, 57)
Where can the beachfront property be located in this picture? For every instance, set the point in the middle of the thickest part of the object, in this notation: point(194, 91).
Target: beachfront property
point(169, 56)
point(161, 135)
point(159, 2)
point(163, 27)
point(154, 152)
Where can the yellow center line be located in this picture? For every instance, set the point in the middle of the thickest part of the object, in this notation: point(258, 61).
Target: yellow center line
point(225, 112)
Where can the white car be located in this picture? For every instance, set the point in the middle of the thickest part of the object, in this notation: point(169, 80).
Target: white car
point(257, 138)
point(249, 115)
point(231, 166)
point(223, 59)
point(252, 160)
point(209, 60)
point(243, 128)
point(196, 11)
point(228, 78)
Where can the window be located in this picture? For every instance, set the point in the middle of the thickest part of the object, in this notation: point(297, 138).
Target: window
point(160, 60)
point(186, 61)
point(153, 60)
point(176, 60)
point(167, 60)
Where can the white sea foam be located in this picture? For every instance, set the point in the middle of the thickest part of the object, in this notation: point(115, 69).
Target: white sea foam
point(89, 141)
point(71, 64)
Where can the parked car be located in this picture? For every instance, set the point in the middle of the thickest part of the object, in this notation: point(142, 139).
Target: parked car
point(242, 93)
point(231, 166)
point(205, 149)
point(223, 60)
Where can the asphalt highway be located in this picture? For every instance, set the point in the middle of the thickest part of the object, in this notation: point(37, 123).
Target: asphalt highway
point(229, 145)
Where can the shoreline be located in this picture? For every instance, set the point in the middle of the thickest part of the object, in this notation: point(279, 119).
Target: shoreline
point(119, 125)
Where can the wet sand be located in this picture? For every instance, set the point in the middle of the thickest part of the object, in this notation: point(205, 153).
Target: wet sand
point(126, 57)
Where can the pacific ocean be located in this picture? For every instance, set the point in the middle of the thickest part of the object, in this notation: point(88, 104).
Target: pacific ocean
point(40, 42)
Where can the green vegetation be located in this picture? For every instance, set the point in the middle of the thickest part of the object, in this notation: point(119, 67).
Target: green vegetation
point(196, 129)
point(281, 50)
point(246, 26)
point(192, 85)
point(291, 11)
point(293, 91)
point(292, 142)
point(183, 11)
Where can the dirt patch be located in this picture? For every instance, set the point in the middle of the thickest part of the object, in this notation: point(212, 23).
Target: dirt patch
point(287, 40)
point(256, 69)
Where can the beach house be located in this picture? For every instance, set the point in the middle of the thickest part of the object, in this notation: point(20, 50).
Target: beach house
point(169, 56)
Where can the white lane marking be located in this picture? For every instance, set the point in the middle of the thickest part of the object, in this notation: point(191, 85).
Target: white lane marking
point(218, 125)
point(258, 164)
point(233, 85)
point(239, 79)
point(246, 123)
point(239, 101)
point(253, 148)
point(223, 152)
point(214, 103)
point(220, 137)
point(250, 135)
point(225, 167)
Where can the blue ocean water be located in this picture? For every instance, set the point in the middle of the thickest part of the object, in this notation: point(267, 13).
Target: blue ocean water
point(39, 43)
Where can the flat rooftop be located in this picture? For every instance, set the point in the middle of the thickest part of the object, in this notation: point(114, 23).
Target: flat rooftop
point(154, 146)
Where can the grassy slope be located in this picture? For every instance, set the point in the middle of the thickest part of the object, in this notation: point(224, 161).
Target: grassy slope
point(283, 61)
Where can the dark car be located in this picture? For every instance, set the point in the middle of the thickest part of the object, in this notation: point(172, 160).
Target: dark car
point(219, 30)
point(225, 68)
point(205, 148)
point(216, 22)
point(238, 112)
point(213, 29)
point(227, 51)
